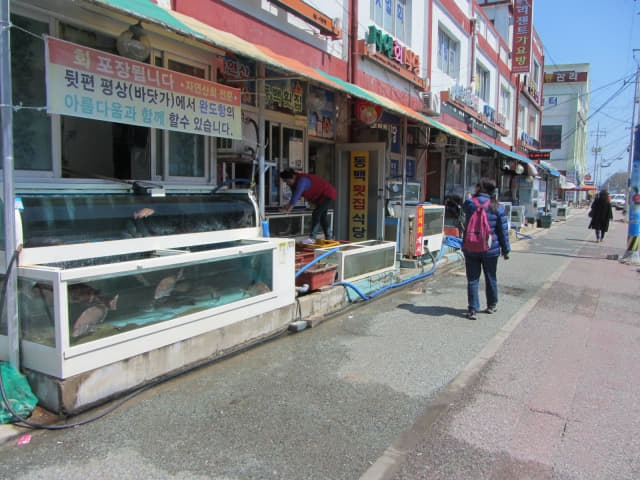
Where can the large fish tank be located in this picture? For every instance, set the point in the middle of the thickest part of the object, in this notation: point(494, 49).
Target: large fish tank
point(105, 277)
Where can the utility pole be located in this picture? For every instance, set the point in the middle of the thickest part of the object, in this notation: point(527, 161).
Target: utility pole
point(597, 150)
point(633, 185)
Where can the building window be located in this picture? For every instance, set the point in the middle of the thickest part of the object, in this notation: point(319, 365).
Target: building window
point(532, 126)
point(551, 137)
point(483, 84)
point(505, 101)
point(521, 114)
point(394, 16)
point(536, 74)
point(31, 126)
point(448, 54)
point(186, 150)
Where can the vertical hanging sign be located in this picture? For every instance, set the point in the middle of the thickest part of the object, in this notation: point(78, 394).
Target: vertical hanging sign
point(522, 34)
point(419, 231)
point(358, 195)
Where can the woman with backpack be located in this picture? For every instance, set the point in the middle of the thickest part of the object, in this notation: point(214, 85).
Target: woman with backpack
point(486, 238)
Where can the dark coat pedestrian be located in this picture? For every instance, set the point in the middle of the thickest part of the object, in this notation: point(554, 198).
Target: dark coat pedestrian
point(486, 262)
point(601, 213)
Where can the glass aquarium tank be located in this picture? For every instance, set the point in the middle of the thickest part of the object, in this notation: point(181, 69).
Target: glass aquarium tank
point(49, 220)
point(99, 307)
point(361, 259)
point(106, 277)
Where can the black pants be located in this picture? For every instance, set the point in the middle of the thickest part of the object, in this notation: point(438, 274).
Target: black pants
point(319, 218)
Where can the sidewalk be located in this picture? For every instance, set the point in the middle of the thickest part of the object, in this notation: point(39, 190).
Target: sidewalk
point(554, 395)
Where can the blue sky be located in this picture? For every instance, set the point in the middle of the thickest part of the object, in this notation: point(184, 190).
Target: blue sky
point(603, 34)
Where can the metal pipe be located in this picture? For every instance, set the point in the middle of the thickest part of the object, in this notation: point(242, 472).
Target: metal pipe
point(10, 243)
point(261, 143)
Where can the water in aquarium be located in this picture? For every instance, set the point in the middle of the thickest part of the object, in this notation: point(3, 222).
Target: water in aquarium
point(368, 261)
point(49, 220)
point(99, 308)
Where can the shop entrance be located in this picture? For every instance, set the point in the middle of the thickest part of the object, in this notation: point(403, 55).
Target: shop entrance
point(360, 184)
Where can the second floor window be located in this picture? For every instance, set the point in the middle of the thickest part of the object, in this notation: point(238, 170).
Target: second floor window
point(447, 54)
point(505, 102)
point(483, 85)
point(394, 16)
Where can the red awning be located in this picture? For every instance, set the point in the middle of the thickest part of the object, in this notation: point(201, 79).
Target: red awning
point(582, 188)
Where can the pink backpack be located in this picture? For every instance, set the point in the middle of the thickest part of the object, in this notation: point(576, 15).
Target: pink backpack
point(477, 236)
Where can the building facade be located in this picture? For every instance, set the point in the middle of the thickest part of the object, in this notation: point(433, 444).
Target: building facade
point(565, 122)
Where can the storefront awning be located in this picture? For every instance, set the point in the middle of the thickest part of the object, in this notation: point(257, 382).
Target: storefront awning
point(147, 11)
point(183, 24)
point(549, 168)
point(373, 97)
point(504, 151)
point(454, 132)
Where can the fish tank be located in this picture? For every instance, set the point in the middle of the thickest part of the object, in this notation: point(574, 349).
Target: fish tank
point(107, 277)
point(67, 219)
point(135, 297)
point(361, 259)
point(294, 224)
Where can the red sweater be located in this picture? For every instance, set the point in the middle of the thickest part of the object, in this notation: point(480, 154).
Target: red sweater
point(319, 189)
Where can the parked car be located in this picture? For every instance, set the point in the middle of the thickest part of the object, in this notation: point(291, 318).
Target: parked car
point(618, 200)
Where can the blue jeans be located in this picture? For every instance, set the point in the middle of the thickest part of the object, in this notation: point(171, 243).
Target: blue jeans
point(319, 218)
point(474, 265)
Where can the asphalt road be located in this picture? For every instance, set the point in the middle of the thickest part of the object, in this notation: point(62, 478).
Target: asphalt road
point(325, 403)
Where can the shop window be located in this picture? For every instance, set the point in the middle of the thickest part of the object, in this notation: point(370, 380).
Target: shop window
point(394, 16)
point(93, 148)
point(186, 151)
point(551, 137)
point(448, 54)
point(31, 124)
point(483, 84)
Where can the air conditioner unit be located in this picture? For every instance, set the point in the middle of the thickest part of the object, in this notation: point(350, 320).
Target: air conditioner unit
point(430, 103)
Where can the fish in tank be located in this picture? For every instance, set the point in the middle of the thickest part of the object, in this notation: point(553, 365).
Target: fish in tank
point(92, 316)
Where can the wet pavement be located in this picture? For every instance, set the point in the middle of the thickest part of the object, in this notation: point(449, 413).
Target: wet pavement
point(401, 386)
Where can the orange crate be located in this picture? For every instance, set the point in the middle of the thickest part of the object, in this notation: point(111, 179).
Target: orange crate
point(452, 231)
point(317, 276)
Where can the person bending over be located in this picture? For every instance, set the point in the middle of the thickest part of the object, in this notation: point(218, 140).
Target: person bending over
point(316, 191)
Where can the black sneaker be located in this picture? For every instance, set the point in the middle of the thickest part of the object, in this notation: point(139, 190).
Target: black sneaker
point(471, 315)
point(491, 309)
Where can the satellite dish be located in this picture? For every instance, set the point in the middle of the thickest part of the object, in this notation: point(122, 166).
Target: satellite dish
point(133, 43)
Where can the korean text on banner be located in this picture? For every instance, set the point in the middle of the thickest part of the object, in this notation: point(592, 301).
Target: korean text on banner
point(88, 83)
point(358, 196)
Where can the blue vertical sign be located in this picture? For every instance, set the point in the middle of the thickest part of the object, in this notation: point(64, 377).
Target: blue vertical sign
point(634, 195)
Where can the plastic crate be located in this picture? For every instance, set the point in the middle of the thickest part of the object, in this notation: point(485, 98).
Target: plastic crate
point(317, 276)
